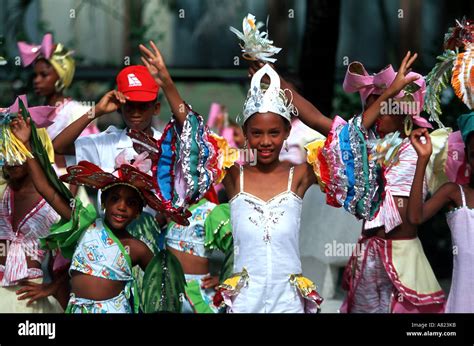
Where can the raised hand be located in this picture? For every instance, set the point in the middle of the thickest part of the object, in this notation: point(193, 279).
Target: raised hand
point(21, 128)
point(110, 102)
point(401, 80)
point(155, 64)
point(421, 141)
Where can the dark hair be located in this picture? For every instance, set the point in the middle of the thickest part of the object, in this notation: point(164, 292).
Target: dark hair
point(106, 194)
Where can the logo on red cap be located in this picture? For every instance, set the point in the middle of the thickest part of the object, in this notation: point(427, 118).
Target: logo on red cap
point(133, 80)
point(137, 83)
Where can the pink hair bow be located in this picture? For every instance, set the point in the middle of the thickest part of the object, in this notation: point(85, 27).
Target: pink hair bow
point(140, 162)
point(40, 115)
point(30, 52)
point(358, 80)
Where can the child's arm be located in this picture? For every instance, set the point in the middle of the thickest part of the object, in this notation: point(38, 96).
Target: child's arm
point(308, 113)
point(417, 211)
point(371, 114)
point(22, 130)
point(157, 68)
point(64, 142)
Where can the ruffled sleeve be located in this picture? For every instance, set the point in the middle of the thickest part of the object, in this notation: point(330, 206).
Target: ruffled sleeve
point(65, 234)
point(187, 159)
point(227, 155)
point(218, 229)
point(344, 170)
point(314, 152)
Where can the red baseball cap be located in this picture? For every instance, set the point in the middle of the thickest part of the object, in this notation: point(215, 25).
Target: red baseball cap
point(137, 83)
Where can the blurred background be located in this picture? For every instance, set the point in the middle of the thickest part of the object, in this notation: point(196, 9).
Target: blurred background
point(319, 39)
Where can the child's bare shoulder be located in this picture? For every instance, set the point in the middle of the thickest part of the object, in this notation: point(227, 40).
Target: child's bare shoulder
point(449, 188)
point(449, 191)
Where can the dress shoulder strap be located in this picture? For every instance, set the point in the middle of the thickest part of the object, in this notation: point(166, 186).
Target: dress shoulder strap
point(290, 177)
point(241, 178)
point(463, 197)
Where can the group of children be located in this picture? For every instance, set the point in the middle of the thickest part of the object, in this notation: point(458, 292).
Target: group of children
point(157, 208)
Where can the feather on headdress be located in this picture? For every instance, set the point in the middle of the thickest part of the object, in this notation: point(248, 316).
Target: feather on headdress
point(256, 45)
point(456, 63)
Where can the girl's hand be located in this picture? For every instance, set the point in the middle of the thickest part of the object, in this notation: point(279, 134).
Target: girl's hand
point(21, 128)
point(35, 291)
point(155, 64)
point(210, 281)
point(423, 148)
point(401, 80)
point(110, 102)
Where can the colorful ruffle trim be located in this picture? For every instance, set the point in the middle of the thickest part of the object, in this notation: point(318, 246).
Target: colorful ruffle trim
point(230, 288)
point(234, 284)
point(345, 172)
point(307, 289)
point(186, 162)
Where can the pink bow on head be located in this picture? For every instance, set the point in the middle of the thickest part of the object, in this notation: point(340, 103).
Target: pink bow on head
point(30, 52)
point(40, 115)
point(357, 79)
point(140, 162)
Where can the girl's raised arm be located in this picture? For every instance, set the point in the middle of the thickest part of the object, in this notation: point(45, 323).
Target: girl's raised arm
point(155, 64)
point(371, 114)
point(22, 130)
point(417, 211)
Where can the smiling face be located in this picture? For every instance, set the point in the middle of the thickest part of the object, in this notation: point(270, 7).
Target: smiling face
point(122, 205)
point(266, 133)
point(45, 77)
point(138, 115)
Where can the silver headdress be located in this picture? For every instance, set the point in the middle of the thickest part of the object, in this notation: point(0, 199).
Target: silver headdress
point(262, 99)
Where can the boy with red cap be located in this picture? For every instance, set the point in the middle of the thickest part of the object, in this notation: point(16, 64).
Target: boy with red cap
point(135, 100)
